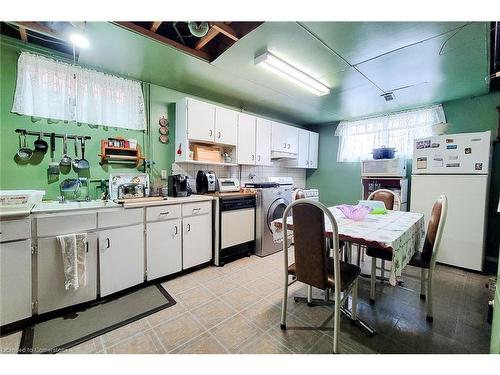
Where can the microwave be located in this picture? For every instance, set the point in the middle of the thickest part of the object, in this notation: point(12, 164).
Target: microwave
point(383, 168)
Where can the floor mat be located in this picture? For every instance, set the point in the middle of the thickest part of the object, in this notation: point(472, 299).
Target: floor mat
point(74, 328)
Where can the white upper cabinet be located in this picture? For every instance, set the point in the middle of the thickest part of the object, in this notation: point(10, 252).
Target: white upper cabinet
point(263, 142)
point(284, 138)
point(226, 126)
point(246, 139)
point(313, 150)
point(200, 120)
point(303, 154)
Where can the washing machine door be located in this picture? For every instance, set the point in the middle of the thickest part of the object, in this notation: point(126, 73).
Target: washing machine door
point(276, 211)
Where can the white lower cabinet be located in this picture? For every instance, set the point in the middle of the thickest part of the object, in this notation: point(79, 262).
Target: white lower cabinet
point(164, 248)
point(15, 281)
point(52, 294)
point(197, 240)
point(121, 258)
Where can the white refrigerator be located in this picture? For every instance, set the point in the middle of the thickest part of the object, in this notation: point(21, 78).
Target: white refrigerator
point(457, 165)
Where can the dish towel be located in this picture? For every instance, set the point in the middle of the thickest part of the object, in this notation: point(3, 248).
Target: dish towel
point(74, 256)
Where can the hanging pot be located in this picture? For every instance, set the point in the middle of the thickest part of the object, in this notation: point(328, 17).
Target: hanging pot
point(384, 153)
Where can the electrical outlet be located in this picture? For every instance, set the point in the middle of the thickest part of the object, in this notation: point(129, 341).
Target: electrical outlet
point(163, 174)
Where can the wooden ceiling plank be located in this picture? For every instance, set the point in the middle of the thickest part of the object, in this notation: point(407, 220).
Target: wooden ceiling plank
point(226, 30)
point(155, 26)
point(23, 33)
point(146, 32)
point(212, 33)
point(39, 28)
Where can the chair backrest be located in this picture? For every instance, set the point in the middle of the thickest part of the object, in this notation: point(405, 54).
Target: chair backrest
point(435, 229)
point(310, 243)
point(390, 199)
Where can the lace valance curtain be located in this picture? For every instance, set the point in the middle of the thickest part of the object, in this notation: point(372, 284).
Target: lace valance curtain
point(56, 90)
point(358, 138)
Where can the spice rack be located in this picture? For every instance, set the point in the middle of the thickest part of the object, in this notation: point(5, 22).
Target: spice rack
point(117, 154)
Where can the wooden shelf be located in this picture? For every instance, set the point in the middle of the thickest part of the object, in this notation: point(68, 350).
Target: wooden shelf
point(207, 162)
point(119, 154)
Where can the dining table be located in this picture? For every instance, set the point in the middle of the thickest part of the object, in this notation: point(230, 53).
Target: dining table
point(400, 231)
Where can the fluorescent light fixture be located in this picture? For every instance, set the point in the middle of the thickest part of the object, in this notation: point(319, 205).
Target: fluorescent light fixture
point(79, 40)
point(285, 70)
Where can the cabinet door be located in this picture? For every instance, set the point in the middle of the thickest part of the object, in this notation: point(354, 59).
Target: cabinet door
point(226, 126)
point(51, 292)
point(121, 257)
point(302, 160)
point(197, 240)
point(313, 149)
point(164, 248)
point(201, 121)
point(278, 137)
point(246, 139)
point(15, 277)
point(292, 139)
point(263, 142)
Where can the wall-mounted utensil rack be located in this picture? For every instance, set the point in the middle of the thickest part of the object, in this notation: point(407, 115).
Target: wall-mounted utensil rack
point(47, 134)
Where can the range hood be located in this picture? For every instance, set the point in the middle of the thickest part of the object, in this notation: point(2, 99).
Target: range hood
point(282, 155)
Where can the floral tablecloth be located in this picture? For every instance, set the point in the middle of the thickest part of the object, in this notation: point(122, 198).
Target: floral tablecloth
point(403, 232)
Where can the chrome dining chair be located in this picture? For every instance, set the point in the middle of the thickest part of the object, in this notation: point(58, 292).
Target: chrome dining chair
point(315, 264)
point(426, 259)
point(391, 202)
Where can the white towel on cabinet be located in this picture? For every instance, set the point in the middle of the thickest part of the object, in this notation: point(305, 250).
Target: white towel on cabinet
point(74, 256)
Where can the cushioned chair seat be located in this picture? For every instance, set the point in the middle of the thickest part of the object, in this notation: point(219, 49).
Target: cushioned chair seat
point(348, 273)
point(418, 261)
point(385, 254)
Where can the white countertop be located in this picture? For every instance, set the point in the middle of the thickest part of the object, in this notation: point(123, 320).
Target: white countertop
point(170, 200)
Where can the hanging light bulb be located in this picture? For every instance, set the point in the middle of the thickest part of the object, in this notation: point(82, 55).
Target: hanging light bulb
point(79, 40)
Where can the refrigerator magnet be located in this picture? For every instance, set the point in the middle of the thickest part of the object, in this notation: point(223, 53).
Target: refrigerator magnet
point(449, 140)
point(451, 147)
point(435, 145)
point(478, 166)
point(423, 144)
point(453, 157)
point(453, 165)
point(468, 150)
point(422, 163)
point(437, 162)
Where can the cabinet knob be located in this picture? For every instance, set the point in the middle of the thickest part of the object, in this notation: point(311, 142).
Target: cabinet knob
point(284, 145)
point(176, 230)
point(253, 157)
point(108, 243)
point(189, 227)
point(218, 135)
point(288, 146)
point(164, 213)
point(211, 132)
point(258, 157)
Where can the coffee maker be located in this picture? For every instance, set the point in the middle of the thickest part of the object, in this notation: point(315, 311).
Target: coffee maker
point(206, 182)
point(178, 186)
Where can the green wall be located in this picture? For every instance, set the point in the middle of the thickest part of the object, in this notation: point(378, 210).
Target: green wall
point(340, 182)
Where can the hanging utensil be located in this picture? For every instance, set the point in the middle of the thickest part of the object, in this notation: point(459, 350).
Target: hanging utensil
point(24, 152)
point(83, 163)
point(40, 144)
point(53, 168)
point(66, 160)
point(75, 159)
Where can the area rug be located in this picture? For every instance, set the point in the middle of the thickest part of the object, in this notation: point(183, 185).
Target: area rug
point(74, 328)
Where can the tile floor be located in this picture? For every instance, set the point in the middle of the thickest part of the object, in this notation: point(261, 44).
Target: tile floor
point(236, 309)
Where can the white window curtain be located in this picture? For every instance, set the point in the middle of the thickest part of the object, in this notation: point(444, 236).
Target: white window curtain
point(56, 90)
point(358, 138)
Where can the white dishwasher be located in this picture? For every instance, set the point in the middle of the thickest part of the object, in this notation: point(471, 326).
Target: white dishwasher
point(236, 228)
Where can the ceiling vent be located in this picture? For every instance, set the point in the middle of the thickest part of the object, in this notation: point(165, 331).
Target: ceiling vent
point(388, 96)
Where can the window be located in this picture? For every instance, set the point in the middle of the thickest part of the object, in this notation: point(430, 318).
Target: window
point(56, 90)
point(358, 138)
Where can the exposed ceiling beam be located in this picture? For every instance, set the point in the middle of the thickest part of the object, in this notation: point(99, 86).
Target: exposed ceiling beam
point(212, 33)
point(39, 28)
point(155, 26)
point(226, 30)
point(146, 32)
point(23, 33)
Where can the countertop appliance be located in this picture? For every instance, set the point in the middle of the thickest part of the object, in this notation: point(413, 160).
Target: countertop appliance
point(457, 165)
point(312, 194)
point(384, 168)
point(206, 182)
point(272, 197)
point(228, 184)
point(178, 186)
point(128, 179)
point(130, 190)
point(235, 226)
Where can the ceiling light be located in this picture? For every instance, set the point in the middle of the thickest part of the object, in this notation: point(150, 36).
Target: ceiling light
point(388, 96)
point(282, 68)
point(79, 40)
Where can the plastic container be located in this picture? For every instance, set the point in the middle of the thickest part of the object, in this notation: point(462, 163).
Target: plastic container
point(384, 153)
point(20, 200)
